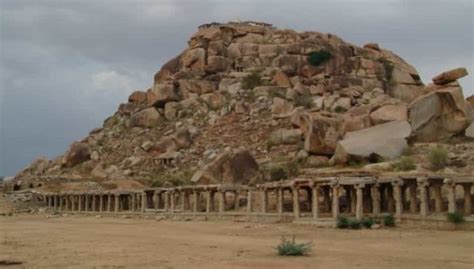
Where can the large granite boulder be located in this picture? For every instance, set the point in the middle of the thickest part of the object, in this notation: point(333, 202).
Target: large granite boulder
point(162, 93)
point(146, 118)
point(78, 152)
point(438, 115)
point(389, 113)
point(450, 76)
point(323, 133)
point(386, 140)
point(286, 136)
point(230, 167)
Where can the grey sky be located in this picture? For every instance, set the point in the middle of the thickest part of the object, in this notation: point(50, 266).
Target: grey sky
point(66, 65)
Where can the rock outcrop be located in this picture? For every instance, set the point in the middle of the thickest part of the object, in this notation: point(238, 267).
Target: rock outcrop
point(244, 94)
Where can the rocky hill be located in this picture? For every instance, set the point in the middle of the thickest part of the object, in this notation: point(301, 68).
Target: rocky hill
point(247, 101)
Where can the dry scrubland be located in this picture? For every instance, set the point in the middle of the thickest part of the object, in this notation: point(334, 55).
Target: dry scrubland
point(89, 242)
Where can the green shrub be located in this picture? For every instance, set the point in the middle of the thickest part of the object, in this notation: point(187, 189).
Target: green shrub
point(367, 222)
point(405, 164)
point(388, 221)
point(304, 100)
point(316, 58)
point(354, 224)
point(438, 157)
point(342, 222)
point(278, 173)
point(455, 217)
point(251, 81)
point(291, 248)
point(340, 109)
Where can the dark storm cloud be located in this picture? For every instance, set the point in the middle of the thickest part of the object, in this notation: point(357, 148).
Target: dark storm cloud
point(66, 65)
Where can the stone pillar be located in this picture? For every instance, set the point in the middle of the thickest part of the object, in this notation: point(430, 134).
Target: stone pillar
point(422, 186)
point(296, 201)
point(335, 200)
point(67, 202)
point(133, 202)
point(208, 201)
point(264, 197)
point(375, 193)
point(87, 204)
point(451, 186)
point(50, 201)
point(236, 200)
point(144, 201)
point(109, 203)
point(156, 200)
point(81, 202)
point(315, 201)
point(467, 199)
point(438, 198)
point(55, 202)
point(94, 202)
point(353, 200)
point(183, 200)
point(117, 203)
point(172, 202)
point(101, 202)
point(221, 201)
point(61, 203)
point(397, 196)
point(389, 197)
point(167, 201)
point(327, 199)
point(412, 191)
point(280, 201)
point(249, 201)
point(359, 209)
point(195, 201)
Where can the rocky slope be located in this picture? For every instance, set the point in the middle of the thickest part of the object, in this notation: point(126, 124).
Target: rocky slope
point(247, 101)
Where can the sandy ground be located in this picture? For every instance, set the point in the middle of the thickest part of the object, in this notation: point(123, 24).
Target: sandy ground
point(89, 242)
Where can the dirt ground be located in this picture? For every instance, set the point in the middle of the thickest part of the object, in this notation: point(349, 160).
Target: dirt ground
point(90, 242)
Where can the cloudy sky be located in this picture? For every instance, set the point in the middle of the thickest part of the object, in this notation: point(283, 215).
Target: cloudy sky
point(66, 65)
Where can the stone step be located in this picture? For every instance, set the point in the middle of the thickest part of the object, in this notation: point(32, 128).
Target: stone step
point(321, 222)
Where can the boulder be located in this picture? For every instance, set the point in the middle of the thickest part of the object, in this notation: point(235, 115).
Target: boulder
point(146, 118)
point(323, 133)
point(171, 110)
point(194, 59)
point(281, 107)
point(438, 115)
point(386, 140)
point(450, 76)
point(213, 100)
point(78, 152)
point(316, 161)
point(230, 167)
point(341, 105)
point(217, 64)
point(162, 93)
point(470, 130)
point(137, 97)
point(281, 79)
point(389, 113)
point(286, 136)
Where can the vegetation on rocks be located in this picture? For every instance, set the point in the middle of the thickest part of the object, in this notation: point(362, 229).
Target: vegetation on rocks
point(291, 248)
point(438, 157)
point(405, 164)
point(455, 217)
point(388, 220)
point(251, 81)
point(317, 58)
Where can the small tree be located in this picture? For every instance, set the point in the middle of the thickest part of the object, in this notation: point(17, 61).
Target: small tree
point(388, 221)
point(438, 157)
